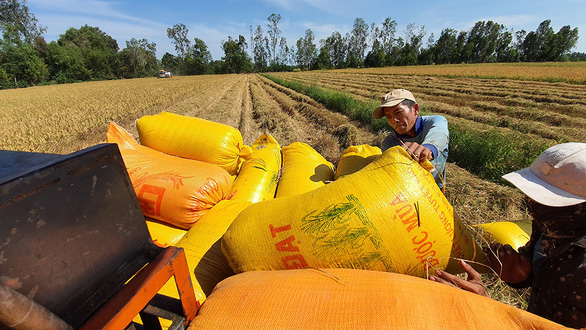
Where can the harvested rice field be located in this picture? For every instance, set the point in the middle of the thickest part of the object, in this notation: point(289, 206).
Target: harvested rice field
point(529, 106)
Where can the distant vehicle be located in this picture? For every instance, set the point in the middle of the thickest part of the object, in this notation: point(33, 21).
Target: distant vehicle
point(164, 74)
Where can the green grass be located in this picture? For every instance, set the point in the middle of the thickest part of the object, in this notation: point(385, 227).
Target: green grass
point(490, 154)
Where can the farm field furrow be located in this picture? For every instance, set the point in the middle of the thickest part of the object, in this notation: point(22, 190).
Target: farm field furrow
point(475, 89)
point(327, 132)
point(504, 108)
point(479, 89)
point(507, 93)
point(570, 72)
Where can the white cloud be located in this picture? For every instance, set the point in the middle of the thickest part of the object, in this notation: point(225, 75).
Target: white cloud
point(285, 4)
point(512, 20)
point(93, 8)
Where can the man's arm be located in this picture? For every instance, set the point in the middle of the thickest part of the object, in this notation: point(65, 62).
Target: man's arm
point(436, 134)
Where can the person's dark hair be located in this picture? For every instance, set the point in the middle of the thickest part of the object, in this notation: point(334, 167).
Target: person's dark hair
point(408, 103)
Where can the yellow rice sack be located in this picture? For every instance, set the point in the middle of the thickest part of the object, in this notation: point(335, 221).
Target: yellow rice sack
point(304, 169)
point(163, 234)
point(170, 189)
point(194, 138)
point(355, 158)
point(258, 176)
point(389, 216)
point(516, 234)
point(353, 299)
point(207, 265)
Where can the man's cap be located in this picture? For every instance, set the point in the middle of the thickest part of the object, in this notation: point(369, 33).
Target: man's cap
point(391, 99)
point(556, 178)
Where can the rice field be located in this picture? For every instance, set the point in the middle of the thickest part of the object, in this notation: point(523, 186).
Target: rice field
point(570, 72)
point(59, 118)
point(529, 106)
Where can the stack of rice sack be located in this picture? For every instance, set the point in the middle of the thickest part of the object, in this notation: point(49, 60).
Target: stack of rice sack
point(256, 181)
point(171, 189)
point(339, 255)
point(388, 216)
point(182, 173)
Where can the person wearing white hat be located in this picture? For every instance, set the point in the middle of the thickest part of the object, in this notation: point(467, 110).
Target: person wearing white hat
point(553, 262)
point(424, 137)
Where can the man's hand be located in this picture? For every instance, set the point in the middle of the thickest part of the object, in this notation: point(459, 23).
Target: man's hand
point(418, 152)
point(472, 284)
point(510, 266)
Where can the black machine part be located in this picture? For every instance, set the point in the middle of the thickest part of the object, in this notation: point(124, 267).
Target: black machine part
point(71, 229)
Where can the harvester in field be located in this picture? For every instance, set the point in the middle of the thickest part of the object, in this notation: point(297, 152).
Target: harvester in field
point(164, 74)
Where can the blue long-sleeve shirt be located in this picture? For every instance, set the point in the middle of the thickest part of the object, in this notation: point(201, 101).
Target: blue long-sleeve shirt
point(432, 133)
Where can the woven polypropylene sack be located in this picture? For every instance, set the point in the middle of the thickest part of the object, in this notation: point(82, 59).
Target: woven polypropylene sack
point(353, 299)
point(258, 176)
point(207, 265)
point(304, 169)
point(355, 158)
point(163, 234)
point(389, 216)
point(194, 138)
point(516, 234)
point(170, 189)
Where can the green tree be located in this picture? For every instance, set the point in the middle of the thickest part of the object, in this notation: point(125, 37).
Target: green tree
point(544, 44)
point(274, 34)
point(21, 64)
point(376, 56)
point(16, 19)
point(260, 49)
point(387, 35)
point(358, 39)
point(484, 38)
point(518, 43)
point(541, 45)
point(445, 49)
point(306, 49)
point(336, 45)
point(65, 64)
point(198, 58)
point(504, 50)
point(98, 49)
point(566, 39)
point(413, 42)
point(323, 60)
point(236, 60)
point(178, 35)
point(138, 59)
point(170, 62)
point(283, 58)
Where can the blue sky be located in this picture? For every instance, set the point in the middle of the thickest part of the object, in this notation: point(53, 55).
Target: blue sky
point(214, 21)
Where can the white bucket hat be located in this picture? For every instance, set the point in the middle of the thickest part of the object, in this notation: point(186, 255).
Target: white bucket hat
point(556, 178)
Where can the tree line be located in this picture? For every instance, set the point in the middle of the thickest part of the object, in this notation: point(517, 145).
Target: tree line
point(88, 53)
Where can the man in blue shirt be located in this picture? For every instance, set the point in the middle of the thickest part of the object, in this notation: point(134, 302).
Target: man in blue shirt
point(424, 137)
